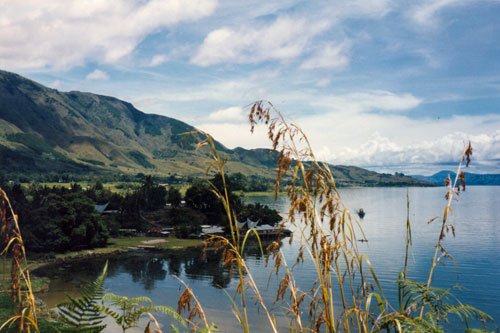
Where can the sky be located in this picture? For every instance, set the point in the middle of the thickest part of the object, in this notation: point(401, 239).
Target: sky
point(388, 85)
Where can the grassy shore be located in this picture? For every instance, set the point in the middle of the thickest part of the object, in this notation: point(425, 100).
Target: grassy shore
point(121, 244)
point(171, 242)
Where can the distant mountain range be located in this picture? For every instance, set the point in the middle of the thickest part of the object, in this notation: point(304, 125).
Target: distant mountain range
point(43, 130)
point(470, 178)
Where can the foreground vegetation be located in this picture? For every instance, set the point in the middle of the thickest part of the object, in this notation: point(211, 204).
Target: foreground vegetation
point(328, 237)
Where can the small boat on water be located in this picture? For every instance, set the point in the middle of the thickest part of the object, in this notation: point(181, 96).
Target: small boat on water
point(361, 213)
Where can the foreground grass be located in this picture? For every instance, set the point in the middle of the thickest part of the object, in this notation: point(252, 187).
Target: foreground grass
point(46, 325)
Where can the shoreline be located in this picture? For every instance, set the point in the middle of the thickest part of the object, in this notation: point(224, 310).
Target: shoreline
point(116, 246)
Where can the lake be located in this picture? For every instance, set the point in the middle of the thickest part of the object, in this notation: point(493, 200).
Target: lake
point(475, 248)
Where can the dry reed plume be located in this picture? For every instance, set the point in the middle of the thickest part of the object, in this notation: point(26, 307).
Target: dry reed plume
point(21, 295)
point(344, 297)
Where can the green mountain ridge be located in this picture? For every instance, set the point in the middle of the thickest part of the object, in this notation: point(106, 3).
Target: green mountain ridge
point(45, 130)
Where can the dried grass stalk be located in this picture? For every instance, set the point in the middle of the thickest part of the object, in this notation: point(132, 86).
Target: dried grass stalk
point(20, 282)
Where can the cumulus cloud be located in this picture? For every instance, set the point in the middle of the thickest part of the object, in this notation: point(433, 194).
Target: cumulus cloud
point(352, 133)
point(61, 34)
point(231, 114)
point(369, 144)
point(284, 39)
point(97, 75)
point(446, 149)
point(330, 56)
point(388, 140)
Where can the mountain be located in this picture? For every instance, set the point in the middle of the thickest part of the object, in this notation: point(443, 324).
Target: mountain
point(470, 178)
point(45, 131)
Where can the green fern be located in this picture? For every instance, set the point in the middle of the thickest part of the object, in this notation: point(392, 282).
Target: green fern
point(440, 304)
point(132, 309)
point(83, 313)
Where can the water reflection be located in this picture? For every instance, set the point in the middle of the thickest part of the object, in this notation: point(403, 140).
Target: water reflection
point(148, 268)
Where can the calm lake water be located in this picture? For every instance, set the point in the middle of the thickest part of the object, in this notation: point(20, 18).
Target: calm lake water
point(475, 248)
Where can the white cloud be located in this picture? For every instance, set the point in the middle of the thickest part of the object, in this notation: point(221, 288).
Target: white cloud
point(393, 143)
point(97, 75)
point(237, 135)
point(284, 39)
point(56, 84)
point(382, 151)
point(229, 115)
point(157, 60)
point(425, 14)
point(370, 100)
point(370, 139)
point(329, 56)
point(61, 34)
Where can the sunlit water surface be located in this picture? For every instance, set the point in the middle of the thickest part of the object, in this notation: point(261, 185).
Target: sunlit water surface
point(475, 248)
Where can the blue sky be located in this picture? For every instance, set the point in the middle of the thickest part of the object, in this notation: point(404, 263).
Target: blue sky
point(386, 85)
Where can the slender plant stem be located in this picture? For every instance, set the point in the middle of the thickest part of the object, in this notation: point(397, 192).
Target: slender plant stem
point(451, 189)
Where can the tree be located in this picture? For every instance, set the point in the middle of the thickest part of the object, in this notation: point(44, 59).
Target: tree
point(202, 199)
point(257, 211)
point(186, 221)
point(152, 196)
point(60, 220)
point(174, 197)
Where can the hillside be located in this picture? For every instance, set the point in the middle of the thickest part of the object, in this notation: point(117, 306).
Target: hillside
point(43, 130)
point(470, 178)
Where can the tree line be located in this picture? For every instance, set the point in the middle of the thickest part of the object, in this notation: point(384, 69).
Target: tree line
point(59, 219)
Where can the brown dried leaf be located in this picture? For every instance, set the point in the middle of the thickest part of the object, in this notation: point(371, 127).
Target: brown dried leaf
point(468, 154)
point(462, 180)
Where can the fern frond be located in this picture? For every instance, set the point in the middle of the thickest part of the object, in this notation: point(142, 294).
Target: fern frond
point(83, 313)
point(130, 310)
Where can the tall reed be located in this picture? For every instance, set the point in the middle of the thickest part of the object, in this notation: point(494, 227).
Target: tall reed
point(346, 295)
point(445, 226)
point(20, 283)
point(340, 298)
point(326, 231)
point(232, 248)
